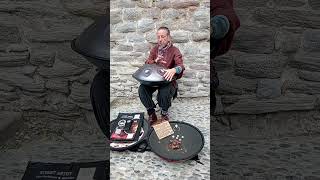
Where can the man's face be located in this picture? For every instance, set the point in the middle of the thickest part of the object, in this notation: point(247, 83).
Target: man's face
point(163, 37)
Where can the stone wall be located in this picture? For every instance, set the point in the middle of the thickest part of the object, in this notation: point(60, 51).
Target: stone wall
point(133, 34)
point(41, 78)
point(274, 64)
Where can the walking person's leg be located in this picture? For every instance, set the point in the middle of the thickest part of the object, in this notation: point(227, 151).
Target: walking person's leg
point(214, 83)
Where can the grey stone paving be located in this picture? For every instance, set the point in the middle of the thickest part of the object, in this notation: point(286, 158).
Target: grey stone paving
point(84, 144)
point(234, 156)
point(287, 157)
point(147, 165)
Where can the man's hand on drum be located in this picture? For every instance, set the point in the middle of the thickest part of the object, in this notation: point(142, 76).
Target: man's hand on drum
point(169, 73)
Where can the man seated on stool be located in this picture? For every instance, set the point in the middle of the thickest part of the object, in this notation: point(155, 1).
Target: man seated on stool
point(169, 56)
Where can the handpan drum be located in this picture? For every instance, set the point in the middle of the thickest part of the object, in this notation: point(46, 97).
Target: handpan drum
point(93, 44)
point(186, 142)
point(151, 75)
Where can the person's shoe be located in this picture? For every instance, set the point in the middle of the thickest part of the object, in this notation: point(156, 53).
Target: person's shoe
point(164, 117)
point(152, 118)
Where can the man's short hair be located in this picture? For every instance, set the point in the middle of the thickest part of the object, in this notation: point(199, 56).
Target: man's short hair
point(164, 28)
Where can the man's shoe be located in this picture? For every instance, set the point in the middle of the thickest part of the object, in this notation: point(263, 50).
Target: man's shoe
point(164, 117)
point(152, 118)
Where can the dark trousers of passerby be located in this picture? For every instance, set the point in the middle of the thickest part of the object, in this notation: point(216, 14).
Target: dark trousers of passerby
point(214, 83)
point(164, 97)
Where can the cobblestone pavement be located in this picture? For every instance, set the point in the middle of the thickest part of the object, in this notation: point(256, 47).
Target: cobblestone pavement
point(233, 157)
point(82, 145)
point(273, 158)
point(147, 165)
point(86, 143)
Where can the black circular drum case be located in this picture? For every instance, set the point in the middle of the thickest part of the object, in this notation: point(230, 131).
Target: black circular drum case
point(186, 142)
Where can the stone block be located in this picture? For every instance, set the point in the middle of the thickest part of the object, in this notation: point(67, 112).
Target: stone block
point(231, 84)
point(145, 25)
point(14, 59)
point(122, 4)
point(59, 85)
point(154, 13)
point(32, 9)
point(115, 16)
point(302, 87)
point(60, 69)
point(124, 47)
point(200, 36)
point(145, 4)
point(177, 4)
point(248, 4)
point(142, 47)
point(163, 4)
point(5, 87)
point(186, 25)
point(306, 61)
point(287, 42)
point(171, 14)
point(151, 37)
point(9, 34)
point(126, 27)
point(180, 36)
point(290, 3)
point(311, 41)
point(15, 77)
point(287, 17)
point(259, 65)
point(131, 14)
point(268, 88)
point(42, 57)
point(80, 95)
point(201, 14)
point(254, 40)
point(86, 8)
point(114, 37)
point(7, 97)
point(135, 38)
point(309, 75)
point(224, 62)
point(55, 29)
point(315, 5)
point(65, 53)
point(283, 103)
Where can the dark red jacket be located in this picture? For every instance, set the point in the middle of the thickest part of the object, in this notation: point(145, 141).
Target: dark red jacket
point(172, 58)
point(225, 7)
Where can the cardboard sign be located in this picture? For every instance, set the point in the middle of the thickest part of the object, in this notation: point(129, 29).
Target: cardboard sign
point(163, 129)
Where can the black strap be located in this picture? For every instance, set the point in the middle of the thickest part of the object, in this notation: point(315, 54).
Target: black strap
point(142, 147)
point(196, 158)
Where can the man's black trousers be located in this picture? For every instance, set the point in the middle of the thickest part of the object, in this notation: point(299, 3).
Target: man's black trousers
point(164, 97)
